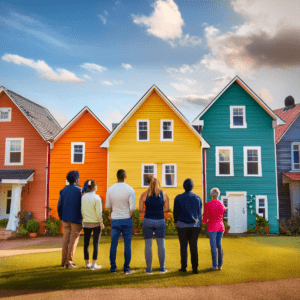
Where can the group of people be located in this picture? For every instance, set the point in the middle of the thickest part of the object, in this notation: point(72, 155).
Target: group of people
point(83, 209)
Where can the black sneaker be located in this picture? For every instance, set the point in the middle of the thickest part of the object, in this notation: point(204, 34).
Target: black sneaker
point(182, 270)
point(195, 271)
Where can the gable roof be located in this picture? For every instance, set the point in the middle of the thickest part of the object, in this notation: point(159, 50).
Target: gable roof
point(138, 105)
point(289, 116)
point(238, 80)
point(74, 120)
point(39, 117)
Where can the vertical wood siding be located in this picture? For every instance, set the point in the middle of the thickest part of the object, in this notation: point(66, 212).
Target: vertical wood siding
point(125, 152)
point(87, 129)
point(284, 165)
point(259, 132)
point(35, 157)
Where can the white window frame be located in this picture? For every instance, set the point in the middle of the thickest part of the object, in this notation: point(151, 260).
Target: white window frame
point(292, 154)
point(72, 152)
point(257, 197)
point(244, 117)
point(258, 148)
point(226, 207)
point(162, 130)
point(7, 152)
point(138, 131)
point(6, 109)
point(155, 172)
point(231, 161)
point(164, 177)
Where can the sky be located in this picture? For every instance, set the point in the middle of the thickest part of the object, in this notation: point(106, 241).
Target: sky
point(65, 55)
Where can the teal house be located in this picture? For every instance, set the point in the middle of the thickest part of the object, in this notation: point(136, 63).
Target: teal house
point(241, 161)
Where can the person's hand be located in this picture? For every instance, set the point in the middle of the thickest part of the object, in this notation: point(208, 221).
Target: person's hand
point(102, 226)
point(109, 217)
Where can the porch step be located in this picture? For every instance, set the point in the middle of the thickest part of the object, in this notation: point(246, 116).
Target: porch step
point(6, 234)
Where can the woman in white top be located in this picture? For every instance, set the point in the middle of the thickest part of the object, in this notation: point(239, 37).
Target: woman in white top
point(91, 209)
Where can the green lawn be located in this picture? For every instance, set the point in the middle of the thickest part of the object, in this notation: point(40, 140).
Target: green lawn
point(245, 259)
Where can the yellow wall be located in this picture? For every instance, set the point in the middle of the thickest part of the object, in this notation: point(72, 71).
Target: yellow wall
point(125, 152)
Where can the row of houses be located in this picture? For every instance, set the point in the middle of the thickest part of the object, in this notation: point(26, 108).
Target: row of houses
point(237, 143)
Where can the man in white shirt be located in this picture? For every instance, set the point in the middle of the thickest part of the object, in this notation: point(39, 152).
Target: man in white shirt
point(120, 199)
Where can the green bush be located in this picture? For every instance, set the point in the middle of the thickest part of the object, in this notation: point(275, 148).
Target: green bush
point(261, 221)
point(52, 225)
point(22, 231)
point(226, 224)
point(136, 219)
point(32, 226)
point(106, 221)
point(251, 230)
point(291, 226)
point(170, 227)
point(3, 223)
point(203, 229)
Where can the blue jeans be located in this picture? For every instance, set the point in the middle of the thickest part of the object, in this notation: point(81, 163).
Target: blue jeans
point(215, 238)
point(119, 226)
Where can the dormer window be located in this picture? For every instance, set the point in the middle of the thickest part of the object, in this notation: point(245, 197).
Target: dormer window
point(167, 130)
point(5, 114)
point(142, 130)
point(238, 117)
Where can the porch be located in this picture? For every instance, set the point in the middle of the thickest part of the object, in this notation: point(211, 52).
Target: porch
point(293, 179)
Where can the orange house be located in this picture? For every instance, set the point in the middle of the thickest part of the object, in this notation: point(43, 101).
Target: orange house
point(77, 147)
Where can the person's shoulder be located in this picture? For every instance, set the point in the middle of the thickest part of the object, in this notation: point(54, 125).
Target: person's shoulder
point(97, 197)
point(129, 187)
point(196, 196)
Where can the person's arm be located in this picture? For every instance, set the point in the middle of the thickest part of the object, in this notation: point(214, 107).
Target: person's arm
point(108, 203)
point(167, 203)
point(132, 205)
point(99, 211)
point(176, 210)
point(142, 202)
point(59, 207)
point(200, 209)
point(205, 215)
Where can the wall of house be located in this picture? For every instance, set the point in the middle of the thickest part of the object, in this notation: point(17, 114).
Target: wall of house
point(284, 165)
point(87, 129)
point(125, 152)
point(259, 132)
point(35, 157)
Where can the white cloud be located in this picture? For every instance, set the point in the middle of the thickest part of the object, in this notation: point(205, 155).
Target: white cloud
point(87, 77)
point(103, 19)
point(186, 40)
point(127, 66)
point(93, 67)
point(60, 115)
point(106, 82)
point(266, 95)
point(45, 71)
point(183, 69)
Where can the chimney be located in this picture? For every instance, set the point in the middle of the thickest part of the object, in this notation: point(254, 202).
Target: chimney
point(289, 103)
point(114, 125)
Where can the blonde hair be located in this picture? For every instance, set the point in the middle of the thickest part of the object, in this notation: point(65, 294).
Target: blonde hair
point(154, 188)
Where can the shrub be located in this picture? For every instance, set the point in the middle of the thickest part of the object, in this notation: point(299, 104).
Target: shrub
point(22, 231)
point(260, 221)
point(106, 221)
point(251, 230)
point(170, 227)
point(32, 226)
point(53, 225)
point(3, 223)
point(203, 229)
point(226, 224)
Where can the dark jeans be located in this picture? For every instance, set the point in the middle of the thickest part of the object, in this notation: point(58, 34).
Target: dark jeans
point(87, 237)
point(188, 235)
point(119, 226)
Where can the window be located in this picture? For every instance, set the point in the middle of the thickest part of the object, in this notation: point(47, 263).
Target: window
point(295, 156)
point(8, 202)
point(143, 130)
point(148, 169)
point(14, 151)
point(225, 203)
point(167, 130)
point(169, 178)
point(238, 117)
point(262, 206)
point(252, 161)
point(224, 161)
point(77, 153)
point(5, 114)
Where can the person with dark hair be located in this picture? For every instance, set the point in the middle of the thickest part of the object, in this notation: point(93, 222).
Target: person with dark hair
point(120, 199)
point(69, 211)
point(154, 203)
point(91, 209)
point(83, 191)
point(187, 215)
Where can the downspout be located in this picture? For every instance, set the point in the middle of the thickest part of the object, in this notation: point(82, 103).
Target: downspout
point(204, 175)
point(48, 179)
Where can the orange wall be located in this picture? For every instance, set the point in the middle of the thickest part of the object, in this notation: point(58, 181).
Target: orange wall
point(35, 157)
point(87, 129)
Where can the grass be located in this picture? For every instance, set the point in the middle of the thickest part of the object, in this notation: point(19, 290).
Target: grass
point(245, 259)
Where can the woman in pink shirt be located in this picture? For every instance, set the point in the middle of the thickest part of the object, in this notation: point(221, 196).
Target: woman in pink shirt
point(213, 215)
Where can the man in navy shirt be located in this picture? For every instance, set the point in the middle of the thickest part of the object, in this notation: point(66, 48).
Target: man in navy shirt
point(187, 215)
point(69, 211)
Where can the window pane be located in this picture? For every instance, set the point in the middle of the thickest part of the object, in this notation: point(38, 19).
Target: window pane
point(261, 202)
point(169, 169)
point(143, 135)
point(167, 134)
point(296, 157)
point(262, 211)
point(8, 202)
point(167, 126)
point(225, 202)
point(226, 213)
point(149, 169)
point(78, 158)
point(224, 168)
point(143, 126)
point(15, 146)
point(224, 155)
point(296, 166)
point(169, 179)
point(4, 115)
point(252, 168)
point(78, 149)
point(237, 120)
point(9, 194)
point(15, 157)
point(295, 147)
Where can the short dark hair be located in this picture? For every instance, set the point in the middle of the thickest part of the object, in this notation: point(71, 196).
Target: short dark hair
point(91, 185)
point(121, 174)
point(188, 185)
point(72, 176)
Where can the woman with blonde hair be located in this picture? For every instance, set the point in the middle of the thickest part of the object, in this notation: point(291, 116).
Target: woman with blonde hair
point(154, 203)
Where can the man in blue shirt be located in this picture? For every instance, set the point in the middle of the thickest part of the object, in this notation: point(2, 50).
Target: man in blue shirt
point(187, 215)
point(69, 211)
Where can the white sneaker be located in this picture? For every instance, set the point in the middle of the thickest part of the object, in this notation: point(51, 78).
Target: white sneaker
point(96, 267)
point(88, 266)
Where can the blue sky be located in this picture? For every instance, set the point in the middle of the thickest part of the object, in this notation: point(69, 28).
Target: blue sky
point(107, 54)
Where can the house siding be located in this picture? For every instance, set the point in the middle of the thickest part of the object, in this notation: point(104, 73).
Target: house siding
point(34, 193)
point(259, 132)
point(284, 165)
point(125, 152)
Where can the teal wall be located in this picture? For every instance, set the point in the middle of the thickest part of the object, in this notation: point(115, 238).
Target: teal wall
point(259, 132)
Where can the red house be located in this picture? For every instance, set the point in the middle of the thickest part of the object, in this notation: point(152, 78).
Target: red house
point(26, 129)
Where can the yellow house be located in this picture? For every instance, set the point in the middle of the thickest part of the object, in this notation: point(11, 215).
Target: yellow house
point(155, 138)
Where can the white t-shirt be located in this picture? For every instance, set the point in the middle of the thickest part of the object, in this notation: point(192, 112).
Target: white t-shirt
point(120, 199)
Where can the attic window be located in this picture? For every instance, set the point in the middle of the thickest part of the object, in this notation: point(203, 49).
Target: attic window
point(167, 130)
point(143, 130)
point(238, 117)
point(5, 114)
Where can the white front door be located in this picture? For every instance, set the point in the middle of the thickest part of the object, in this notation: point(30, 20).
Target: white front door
point(5, 201)
point(237, 213)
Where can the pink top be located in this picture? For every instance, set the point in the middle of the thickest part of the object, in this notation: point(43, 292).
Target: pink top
point(213, 215)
